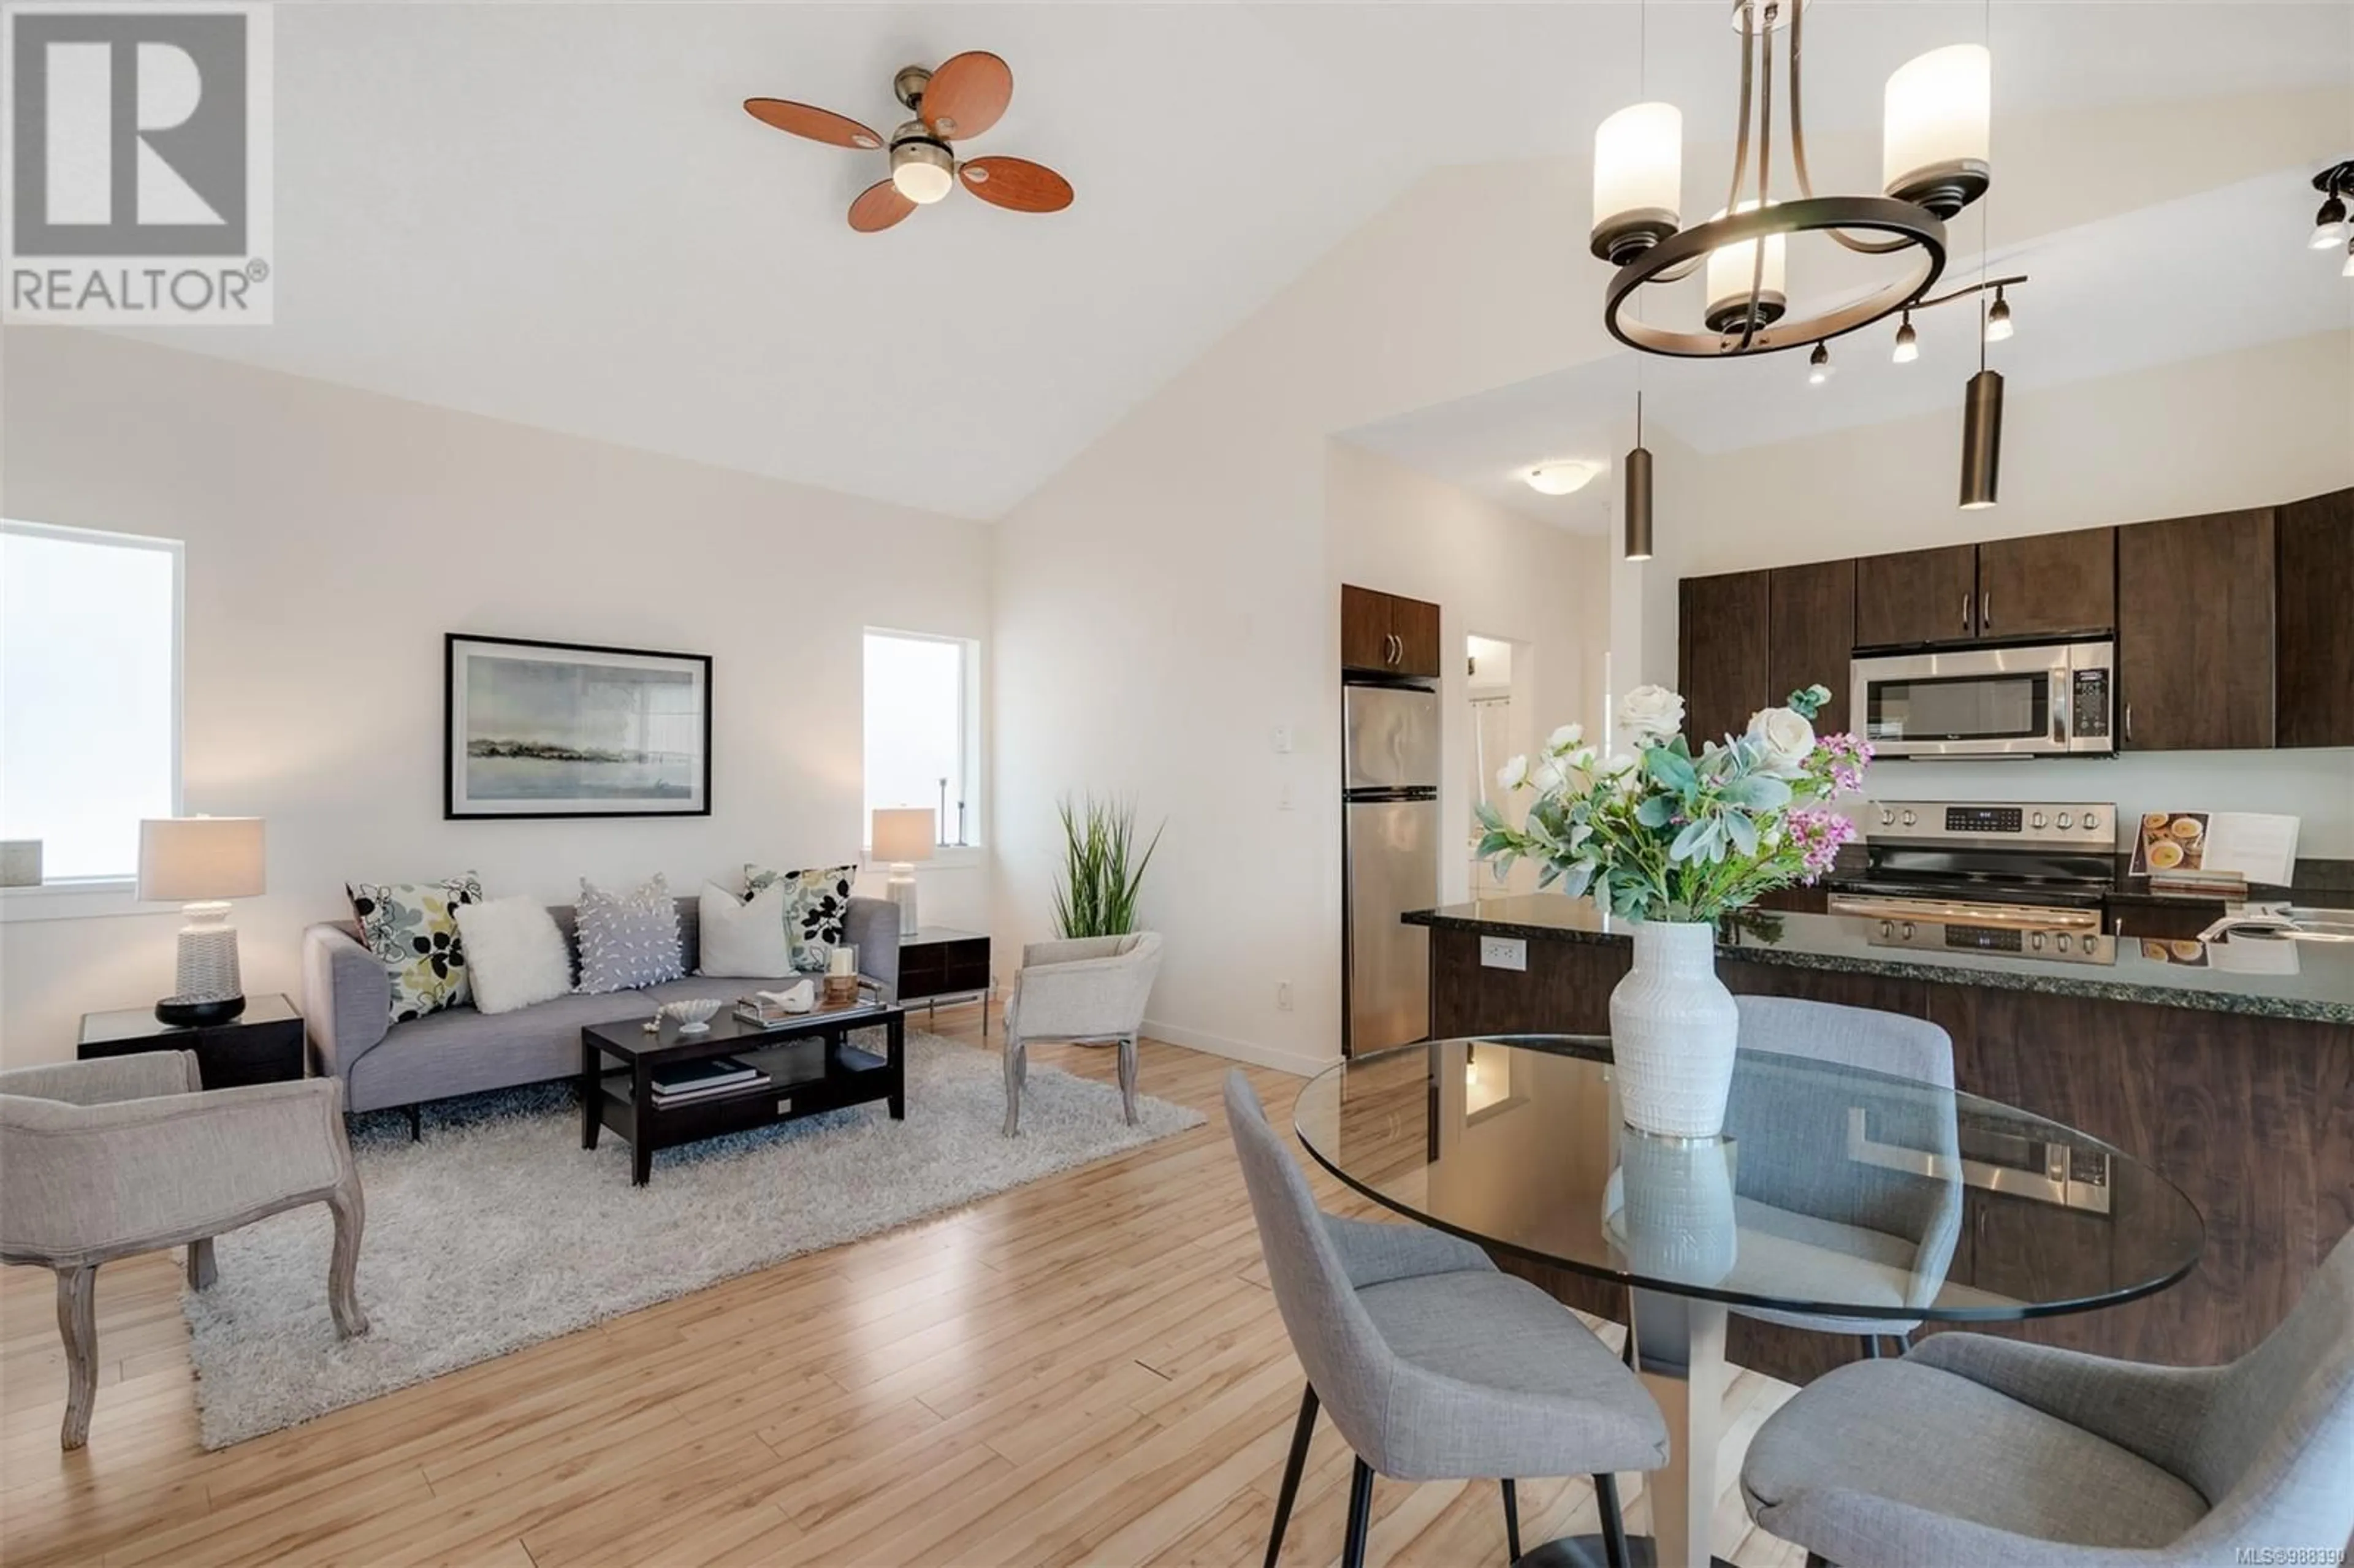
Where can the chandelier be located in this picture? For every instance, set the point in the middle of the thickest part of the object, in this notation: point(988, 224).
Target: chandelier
point(1934, 163)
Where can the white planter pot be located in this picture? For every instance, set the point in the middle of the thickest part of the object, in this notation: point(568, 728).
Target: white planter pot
point(1672, 1030)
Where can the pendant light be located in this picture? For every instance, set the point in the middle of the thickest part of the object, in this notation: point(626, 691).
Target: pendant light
point(1981, 435)
point(1638, 492)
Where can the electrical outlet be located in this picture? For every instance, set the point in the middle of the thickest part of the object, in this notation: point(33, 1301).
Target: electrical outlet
point(1283, 737)
point(1283, 996)
point(1503, 953)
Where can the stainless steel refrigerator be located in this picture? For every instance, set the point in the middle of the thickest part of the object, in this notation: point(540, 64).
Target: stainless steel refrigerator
point(1389, 852)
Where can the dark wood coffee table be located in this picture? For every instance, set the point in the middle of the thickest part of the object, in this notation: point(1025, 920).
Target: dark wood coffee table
point(810, 1064)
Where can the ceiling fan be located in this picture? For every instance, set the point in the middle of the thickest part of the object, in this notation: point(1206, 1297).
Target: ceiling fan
point(959, 100)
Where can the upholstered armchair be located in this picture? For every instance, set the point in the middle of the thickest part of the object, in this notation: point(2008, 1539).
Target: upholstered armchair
point(131, 1154)
point(1092, 989)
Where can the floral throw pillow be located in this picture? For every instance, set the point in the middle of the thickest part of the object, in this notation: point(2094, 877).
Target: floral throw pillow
point(412, 927)
point(816, 903)
point(629, 938)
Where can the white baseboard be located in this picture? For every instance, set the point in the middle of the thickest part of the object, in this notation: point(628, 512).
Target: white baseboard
point(1297, 1062)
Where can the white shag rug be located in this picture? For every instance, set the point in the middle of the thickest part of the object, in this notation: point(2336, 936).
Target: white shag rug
point(499, 1231)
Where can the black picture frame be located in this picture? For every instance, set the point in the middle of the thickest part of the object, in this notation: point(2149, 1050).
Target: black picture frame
point(465, 798)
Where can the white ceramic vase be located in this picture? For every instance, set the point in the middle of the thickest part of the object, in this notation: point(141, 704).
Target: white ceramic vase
point(1673, 1029)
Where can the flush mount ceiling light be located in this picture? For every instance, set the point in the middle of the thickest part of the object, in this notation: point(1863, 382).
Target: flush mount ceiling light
point(1934, 164)
point(1558, 478)
point(2336, 185)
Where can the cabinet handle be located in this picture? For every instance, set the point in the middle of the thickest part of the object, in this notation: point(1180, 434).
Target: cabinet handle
point(1986, 610)
point(2128, 720)
point(1965, 614)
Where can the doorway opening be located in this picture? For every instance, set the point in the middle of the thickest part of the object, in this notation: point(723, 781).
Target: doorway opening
point(1495, 689)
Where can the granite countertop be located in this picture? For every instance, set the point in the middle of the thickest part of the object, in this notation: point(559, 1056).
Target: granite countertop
point(2268, 978)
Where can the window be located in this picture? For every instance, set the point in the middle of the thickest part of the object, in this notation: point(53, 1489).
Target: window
point(89, 694)
point(919, 728)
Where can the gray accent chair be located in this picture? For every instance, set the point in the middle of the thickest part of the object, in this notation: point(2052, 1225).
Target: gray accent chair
point(347, 1006)
point(131, 1154)
point(1092, 989)
point(1979, 1449)
point(1435, 1364)
point(1907, 1228)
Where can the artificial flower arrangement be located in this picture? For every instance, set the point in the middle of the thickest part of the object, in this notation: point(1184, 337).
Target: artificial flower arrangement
point(1660, 834)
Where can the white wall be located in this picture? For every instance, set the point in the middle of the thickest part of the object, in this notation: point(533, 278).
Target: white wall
point(1491, 572)
point(334, 536)
point(2263, 425)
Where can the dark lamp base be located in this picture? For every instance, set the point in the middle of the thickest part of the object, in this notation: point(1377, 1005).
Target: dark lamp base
point(183, 1014)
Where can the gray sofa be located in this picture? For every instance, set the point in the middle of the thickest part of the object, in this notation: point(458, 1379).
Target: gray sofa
point(347, 1006)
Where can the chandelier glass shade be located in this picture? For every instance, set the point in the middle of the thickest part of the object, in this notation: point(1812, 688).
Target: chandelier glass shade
point(1934, 163)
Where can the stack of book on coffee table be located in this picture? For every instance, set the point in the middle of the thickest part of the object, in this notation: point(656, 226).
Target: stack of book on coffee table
point(682, 1083)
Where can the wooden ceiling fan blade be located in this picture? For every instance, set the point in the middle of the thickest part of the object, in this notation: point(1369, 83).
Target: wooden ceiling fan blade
point(967, 94)
point(1017, 184)
point(878, 207)
point(816, 124)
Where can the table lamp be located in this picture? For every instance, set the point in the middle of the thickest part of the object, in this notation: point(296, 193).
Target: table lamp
point(904, 835)
point(202, 863)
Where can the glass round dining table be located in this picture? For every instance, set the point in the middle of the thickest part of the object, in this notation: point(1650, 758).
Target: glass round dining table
point(1842, 1198)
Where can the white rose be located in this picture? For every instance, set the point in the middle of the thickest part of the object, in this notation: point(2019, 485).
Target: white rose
point(1582, 759)
point(1649, 714)
point(1512, 775)
point(1783, 740)
point(1548, 776)
point(1619, 765)
point(1565, 738)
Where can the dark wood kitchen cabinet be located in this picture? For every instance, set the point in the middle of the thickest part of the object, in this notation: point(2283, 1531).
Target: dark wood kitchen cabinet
point(2195, 633)
point(2048, 585)
point(1916, 596)
point(2313, 639)
point(1810, 631)
point(1387, 633)
point(1721, 651)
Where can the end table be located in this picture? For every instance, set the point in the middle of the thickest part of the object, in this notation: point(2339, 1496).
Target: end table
point(942, 964)
point(263, 1044)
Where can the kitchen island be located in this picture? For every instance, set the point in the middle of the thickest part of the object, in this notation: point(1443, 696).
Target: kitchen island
point(2229, 1067)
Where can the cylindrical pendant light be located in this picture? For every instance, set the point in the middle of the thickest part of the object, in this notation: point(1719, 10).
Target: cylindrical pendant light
point(1935, 131)
point(1733, 267)
point(1981, 440)
point(1638, 173)
point(1638, 492)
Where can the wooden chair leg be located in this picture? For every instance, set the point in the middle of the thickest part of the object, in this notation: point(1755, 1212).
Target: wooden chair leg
point(1013, 1076)
point(1127, 1077)
point(202, 1270)
point(1361, 1516)
point(1512, 1521)
point(342, 1265)
point(1292, 1465)
point(77, 1323)
point(1613, 1524)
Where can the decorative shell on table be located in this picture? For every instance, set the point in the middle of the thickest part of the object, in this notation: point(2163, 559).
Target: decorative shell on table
point(693, 1016)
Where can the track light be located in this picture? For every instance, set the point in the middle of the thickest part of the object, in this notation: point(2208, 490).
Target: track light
point(2329, 226)
point(1908, 343)
point(1997, 321)
point(1818, 365)
point(2348, 270)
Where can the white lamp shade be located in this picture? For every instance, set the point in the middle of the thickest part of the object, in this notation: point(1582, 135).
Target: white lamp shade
point(192, 860)
point(1937, 113)
point(1638, 165)
point(904, 833)
point(1732, 266)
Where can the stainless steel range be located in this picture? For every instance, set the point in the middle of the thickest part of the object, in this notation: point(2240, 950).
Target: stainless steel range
point(2025, 878)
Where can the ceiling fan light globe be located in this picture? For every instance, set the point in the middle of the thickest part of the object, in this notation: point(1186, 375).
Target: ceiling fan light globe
point(921, 170)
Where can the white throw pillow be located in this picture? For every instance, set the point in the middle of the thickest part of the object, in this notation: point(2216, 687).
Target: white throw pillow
point(745, 938)
point(514, 952)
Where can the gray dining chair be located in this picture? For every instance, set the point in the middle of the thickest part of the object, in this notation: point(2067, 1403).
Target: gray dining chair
point(1979, 1449)
point(1434, 1364)
point(1904, 1227)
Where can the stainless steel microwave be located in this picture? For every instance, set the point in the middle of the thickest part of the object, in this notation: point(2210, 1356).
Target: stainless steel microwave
point(2055, 699)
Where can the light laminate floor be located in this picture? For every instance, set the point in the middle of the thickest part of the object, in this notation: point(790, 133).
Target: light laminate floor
point(1088, 1369)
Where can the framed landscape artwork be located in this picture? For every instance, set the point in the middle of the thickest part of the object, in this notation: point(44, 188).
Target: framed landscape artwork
point(561, 729)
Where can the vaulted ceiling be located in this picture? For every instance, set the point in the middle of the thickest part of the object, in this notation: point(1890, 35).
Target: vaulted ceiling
point(559, 214)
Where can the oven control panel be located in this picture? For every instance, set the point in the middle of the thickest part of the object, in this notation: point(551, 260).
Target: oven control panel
point(2072, 824)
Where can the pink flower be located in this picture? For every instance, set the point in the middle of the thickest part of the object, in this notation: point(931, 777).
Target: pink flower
point(1818, 833)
